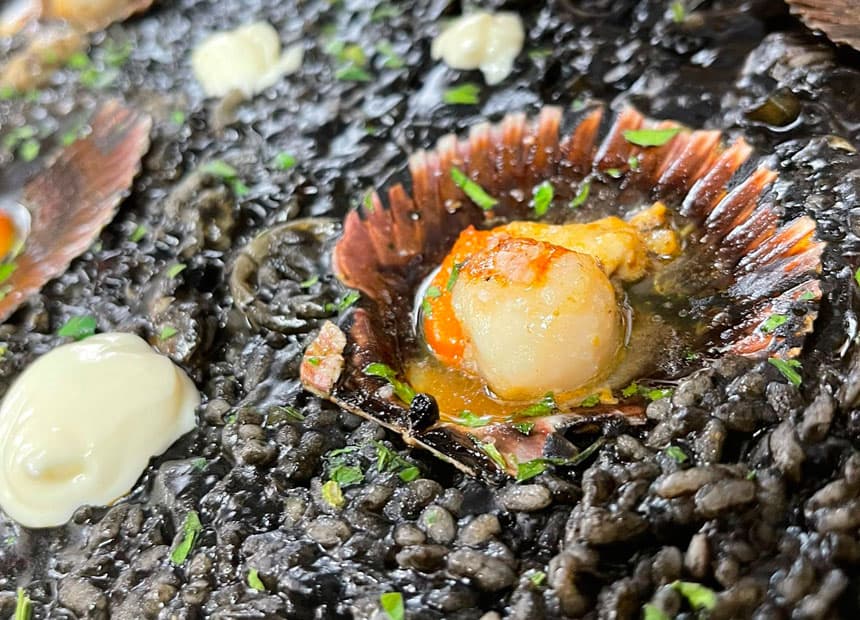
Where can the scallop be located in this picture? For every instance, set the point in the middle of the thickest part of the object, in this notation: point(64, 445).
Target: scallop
point(488, 330)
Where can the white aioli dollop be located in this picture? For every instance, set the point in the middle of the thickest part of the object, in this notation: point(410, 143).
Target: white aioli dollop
point(486, 41)
point(247, 59)
point(80, 424)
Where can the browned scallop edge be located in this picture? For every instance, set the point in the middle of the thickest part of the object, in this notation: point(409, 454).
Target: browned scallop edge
point(75, 197)
point(838, 19)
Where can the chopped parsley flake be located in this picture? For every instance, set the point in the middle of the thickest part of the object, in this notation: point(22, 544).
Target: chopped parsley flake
point(630, 390)
point(138, 233)
point(615, 173)
point(29, 150)
point(346, 475)
point(699, 596)
point(493, 452)
point(590, 401)
point(465, 94)
point(292, 412)
point(524, 427)
point(452, 279)
point(652, 612)
point(751, 474)
point(175, 269)
point(530, 469)
point(581, 195)
point(409, 474)
point(807, 296)
point(254, 581)
point(284, 161)
point(543, 195)
point(332, 495)
point(199, 463)
point(353, 74)
point(309, 282)
point(657, 393)
point(545, 407)
point(633, 162)
point(677, 454)
point(228, 174)
point(23, 606)
point(788, 369)
point(392, 605)
point(773, 322)
point(190, 531)
point(314, 361)
point(6, 271)
point(472, 420)
point(537, 577)
point(403, 390)
point(433, 292)
point(78, 61)
point(678, 11)
point(177, 117)
point(167, 333)
point(474, 191)
point(857, 276)
point(345, 302)
point(651, 137)
point(390, 58)
point(78, 327)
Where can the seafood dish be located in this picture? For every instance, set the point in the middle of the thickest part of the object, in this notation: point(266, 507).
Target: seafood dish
point(355, 309)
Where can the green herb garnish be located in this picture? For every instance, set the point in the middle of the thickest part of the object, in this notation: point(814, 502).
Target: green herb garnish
point(345, 302)
point(332, 494)
point(392, 605)
point(857, 276)
point(677, 454)
point(309, 282)
point(23, 606)
point(138, 233)
point(652, 612)
point(590, 401)
point(807, 296)
point(493, 452)
point(657, 393)
point(409, 474)
point(581, 195)
point(29, 150)
point(167, 333)
point(115, 54)
point(78, 327)
point(191, 530)
point(773, 322)
point(615, 173)
point(472, 420)
point(433, 292)
point(650, 137)
point(751, 474)
point(390, 58)
point(78, 61)
point(292, 412)
point(175, 269)
point(452, 279)
point(537, 577)
point(524, 427)
point(545, 407)
point(788, 369)
point(6, 271)
point(474, 191)
point(177, 117)
point(543, 195)
point(630, 390)
point(284, 161)
point(465, 94)
point(199, 463)
point(346, 475)
point(530, 469)
point(314, 361)
point(353, 74)
point(227, 173)
point(403, 390)
point(678, 11)
point(633, 162)
point(254, 581)
point(699, 596)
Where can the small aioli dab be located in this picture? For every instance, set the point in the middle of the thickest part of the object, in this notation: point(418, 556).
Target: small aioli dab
point(80, 424)
point(247, 59)
point(482, 40)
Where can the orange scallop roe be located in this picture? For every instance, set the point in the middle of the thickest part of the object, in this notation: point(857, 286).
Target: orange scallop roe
point(7, 235)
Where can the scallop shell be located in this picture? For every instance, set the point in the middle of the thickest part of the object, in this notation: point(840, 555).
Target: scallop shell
point(742, 260)
point(75, 197)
